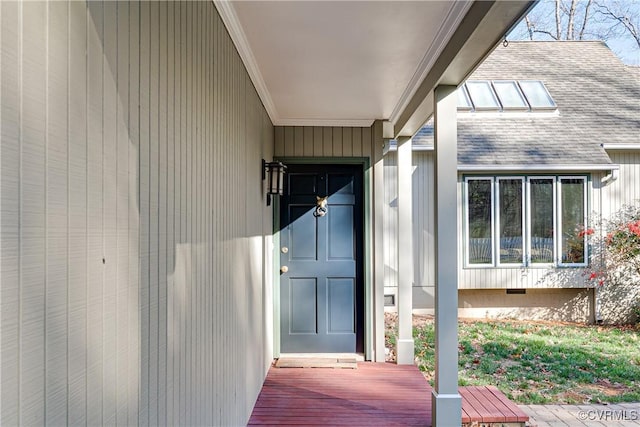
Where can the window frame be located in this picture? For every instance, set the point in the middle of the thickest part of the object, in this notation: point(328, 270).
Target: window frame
point(463, 92)
point(526, 227)
point(555, 210)
point(585, 218)
point(496, 207)
point(467, 245)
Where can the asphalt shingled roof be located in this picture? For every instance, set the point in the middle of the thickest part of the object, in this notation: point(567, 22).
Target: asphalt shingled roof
point(598, 99)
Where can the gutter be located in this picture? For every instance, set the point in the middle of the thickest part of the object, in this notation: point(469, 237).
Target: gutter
point(620, 146)
point(535, 167)
point(613, 175)
point(394, 147)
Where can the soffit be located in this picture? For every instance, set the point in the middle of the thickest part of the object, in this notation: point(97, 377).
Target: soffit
point(339, 63)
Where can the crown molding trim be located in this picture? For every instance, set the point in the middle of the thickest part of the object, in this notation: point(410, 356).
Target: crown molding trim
point(325, 123)
point(234, 28)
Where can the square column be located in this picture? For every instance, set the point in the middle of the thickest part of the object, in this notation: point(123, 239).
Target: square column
point(378, 240)
point(446, 401)
point(405, 345)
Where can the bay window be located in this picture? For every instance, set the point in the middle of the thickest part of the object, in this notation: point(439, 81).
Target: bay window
point(525, 221)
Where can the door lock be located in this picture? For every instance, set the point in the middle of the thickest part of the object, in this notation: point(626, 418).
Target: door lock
point(284, 269)
point(284, 249)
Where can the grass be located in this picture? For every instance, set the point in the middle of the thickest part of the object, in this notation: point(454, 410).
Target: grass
point(538, 363)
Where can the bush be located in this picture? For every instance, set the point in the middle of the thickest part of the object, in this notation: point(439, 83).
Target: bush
point(615, 251)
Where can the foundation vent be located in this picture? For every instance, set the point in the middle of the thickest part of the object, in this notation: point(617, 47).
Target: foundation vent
point(389, 300)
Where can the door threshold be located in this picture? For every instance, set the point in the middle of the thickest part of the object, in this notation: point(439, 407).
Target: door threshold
point(359, 357)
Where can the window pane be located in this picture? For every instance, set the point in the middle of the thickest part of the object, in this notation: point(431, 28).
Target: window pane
point(482, 95)
point(510, 210)
point(509, 95)
point(541, 220)
point(573, 237)
point(537, 94)
point(463, 99)
point(479, 206)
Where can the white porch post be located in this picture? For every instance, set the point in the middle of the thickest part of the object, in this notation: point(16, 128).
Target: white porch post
point(446, 401)
point(378, 237)
point(404, 348)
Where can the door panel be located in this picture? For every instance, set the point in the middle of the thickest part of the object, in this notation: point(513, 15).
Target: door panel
point(302, 306)
point(303, 244)
point(339, 233)
point(340, 303)
point(322, 292)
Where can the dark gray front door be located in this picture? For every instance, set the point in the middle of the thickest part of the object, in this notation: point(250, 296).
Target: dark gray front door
point(322, 291)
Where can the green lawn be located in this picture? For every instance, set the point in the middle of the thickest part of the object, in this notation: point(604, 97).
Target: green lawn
point(536, 362)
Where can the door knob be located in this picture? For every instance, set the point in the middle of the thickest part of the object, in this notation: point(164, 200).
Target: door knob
point(284, 269)
point(284, 249)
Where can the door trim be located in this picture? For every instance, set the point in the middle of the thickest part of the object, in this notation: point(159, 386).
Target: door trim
point(366, 246)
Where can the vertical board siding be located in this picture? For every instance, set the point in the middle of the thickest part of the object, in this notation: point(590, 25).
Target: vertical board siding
point(134, 257)
point(77, 219)
point(423, 220)
point(134, 316)
point(57, 226)
point(315, 141)
point(10, 196)
point(626, 189)
point(33, 255)
point(123, 262)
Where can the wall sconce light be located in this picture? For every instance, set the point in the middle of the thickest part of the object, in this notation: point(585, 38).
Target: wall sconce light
point(273, 172)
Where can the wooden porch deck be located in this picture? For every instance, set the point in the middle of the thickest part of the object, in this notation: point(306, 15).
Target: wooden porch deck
point(382, 394)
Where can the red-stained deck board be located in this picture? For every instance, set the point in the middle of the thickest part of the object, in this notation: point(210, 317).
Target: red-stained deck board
point(474, 397)
point(374, 394)
point(517, 412)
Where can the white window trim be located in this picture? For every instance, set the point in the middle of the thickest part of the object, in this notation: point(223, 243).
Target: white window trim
point(526, 241)
point(467, 236)
point(559, 262)
point(555, 211)
point(497, 238)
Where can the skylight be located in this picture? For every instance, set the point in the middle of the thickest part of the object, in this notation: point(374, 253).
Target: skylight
point(482, 95)
point(509, 95)
point(504, 95)
point(464, 103)
point(537, 94)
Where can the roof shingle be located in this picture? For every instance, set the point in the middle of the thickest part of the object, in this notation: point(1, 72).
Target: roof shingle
point(598, 100)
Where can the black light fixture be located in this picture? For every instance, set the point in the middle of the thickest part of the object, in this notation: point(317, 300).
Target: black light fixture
point(273, 172)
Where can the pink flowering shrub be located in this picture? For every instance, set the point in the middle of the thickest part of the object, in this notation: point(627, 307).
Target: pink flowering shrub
point(615, 253)
point(623, 244)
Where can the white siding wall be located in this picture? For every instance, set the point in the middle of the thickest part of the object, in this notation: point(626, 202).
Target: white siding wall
point(626, 189)
point(134, 267)
point(615, 302)
point(310, 141)
point(423, 227)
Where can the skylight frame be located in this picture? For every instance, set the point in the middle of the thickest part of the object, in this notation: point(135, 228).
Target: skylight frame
point(486, 83)
point(525, 106)
point(551, 106)
point(463, 95)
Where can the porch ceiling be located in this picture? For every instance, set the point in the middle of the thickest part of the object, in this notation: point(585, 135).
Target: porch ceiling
point(347, 63)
